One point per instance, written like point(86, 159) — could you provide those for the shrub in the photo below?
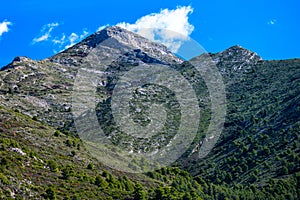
point(68, 172)
point(100, 182)
point(57, 134)
point(53, 166)
point(90, 166)
point(35, 118)
point(50, 193)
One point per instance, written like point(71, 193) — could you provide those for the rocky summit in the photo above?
point(257, 155)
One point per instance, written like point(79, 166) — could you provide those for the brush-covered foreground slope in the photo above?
point(39, 162)
point(256, 157)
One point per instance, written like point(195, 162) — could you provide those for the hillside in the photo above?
point(39, 162)
point(43, 153)
point(261, 135)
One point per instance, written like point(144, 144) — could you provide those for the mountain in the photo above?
point(261, 132)
point(43, 88)
point(44, 156)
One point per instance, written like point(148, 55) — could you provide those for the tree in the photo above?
point(50, 193)
point(90, 166)
point(139, 193)
point(68, 171)
point(187, 196)
point(159, 193)
point(100, 182)
point(284, 170)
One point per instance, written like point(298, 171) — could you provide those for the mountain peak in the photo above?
point(240, 52)
point(116, 30)
point(132, 40)
point(236, 58)
point(118, 38)
point(17, 60)
point(237, 47)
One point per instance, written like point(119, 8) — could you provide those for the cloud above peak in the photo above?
point(74, 38)
point(45, 32)
point(169, 27)
point(4, 27)
point(61, 42)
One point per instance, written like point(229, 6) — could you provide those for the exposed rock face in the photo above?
point(238, 54)
point(123, 38)
point(43, 88)
point(37, 88)
point(235, 60)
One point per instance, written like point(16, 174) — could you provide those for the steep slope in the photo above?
point(40, 89)
point(261, 135)
point(119, 38)
point(43, 88)
point(39, 162)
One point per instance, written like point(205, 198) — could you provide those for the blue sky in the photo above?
point(38, 29)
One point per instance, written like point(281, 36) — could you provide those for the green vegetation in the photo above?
point(261, 136)
point(256, 157)
point(53, 174)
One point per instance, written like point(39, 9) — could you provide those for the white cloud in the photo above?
point(74, 38)
point(60, 42)
point(170, 27)
point(45, 32)
point(272, 22)
point(64, 42)
point(83, 35)
point(102, 27)
point(4, 27)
